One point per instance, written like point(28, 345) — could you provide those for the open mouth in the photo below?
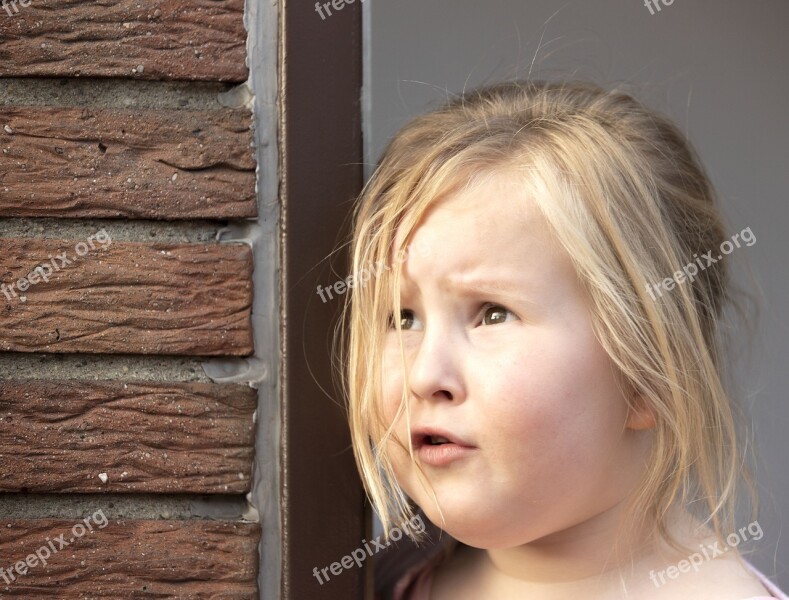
point(436, 440)
point(439, 449)
point(424, 439)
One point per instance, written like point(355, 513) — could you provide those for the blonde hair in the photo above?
point(628, 200)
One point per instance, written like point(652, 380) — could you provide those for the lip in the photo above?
point(439, 455)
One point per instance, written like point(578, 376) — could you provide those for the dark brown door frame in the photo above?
point(323, 515)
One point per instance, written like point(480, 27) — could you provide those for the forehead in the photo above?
point(493, 223)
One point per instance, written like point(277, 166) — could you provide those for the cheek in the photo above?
point(559, 405)
point(391, 384)
point(391, 395)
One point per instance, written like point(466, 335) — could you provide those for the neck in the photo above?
point(586, 550)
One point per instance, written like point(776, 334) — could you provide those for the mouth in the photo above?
point(438, 447)
point(434, 436)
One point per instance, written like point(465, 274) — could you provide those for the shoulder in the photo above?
point(771, 587)
point(405, 568)
point(458, 576)
point(724, 578)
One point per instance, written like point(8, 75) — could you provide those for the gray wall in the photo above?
point(717, 68)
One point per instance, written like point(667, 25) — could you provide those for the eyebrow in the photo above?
point(479, 286)
point(508, 290)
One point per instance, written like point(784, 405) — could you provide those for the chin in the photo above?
point(481, 539)
point(472, 529)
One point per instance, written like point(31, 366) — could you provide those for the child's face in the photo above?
point(511, 371)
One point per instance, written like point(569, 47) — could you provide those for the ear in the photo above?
point(641, 415)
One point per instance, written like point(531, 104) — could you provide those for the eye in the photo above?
point(493, 314)
point(407, 320)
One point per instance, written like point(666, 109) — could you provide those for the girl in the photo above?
point(544, 380)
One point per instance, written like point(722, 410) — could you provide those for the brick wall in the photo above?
point(123, 467)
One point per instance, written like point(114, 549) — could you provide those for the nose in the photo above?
point(435, 371)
